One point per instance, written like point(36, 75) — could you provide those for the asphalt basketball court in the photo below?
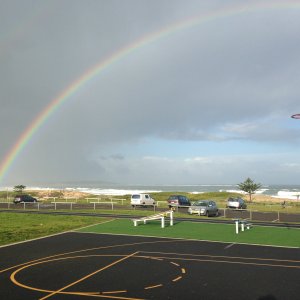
point(84, 265)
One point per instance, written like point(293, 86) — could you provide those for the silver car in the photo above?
point(204, 208)
point(237, 203)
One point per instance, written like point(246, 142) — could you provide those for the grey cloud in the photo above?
point(232, 78)
point(206, 169)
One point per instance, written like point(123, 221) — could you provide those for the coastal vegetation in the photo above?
point(258, 202)
point(250, 187)
point(19, 188)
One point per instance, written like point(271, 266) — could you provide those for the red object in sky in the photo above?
point(296, 116)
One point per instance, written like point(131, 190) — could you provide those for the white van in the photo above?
point(141, 199)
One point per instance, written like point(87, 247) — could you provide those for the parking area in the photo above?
point(82, 265)
point(279, 216)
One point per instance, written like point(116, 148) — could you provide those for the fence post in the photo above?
point(236, 226)
point(163, 222)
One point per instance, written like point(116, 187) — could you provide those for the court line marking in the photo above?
point(183, 259)
point(228, 246)
point(85, 250)
point(89, 275)
point(12, 277)
point(114, 292)
point(233, 262)
point(176, 279)
point(194, 240)
point(153, 286)
point(124, 256)
point(220, 256)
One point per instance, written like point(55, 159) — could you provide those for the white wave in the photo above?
point(288, 195)
point(114, 192)
point(233, 191)
point(261, 191)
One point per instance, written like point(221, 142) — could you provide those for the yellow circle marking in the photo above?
point(91, 294)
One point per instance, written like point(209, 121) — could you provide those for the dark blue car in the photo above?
point(24, 198)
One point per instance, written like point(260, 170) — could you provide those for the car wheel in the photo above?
point(207, 213)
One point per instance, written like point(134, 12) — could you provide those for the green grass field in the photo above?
point(17, 227)
point(289, 237)
point(20, 227)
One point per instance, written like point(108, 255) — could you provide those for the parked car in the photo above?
point(204, 208)
point(141, 200)
point(237, 203)
point(178, 200)
point(24, 198)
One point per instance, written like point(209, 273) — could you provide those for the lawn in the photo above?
point(276, 236)
point(17, 227)
point(20, 227)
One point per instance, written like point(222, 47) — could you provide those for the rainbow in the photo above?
point(66, 94)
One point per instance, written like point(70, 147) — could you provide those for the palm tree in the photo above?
point(249, 186)
point(19, 188)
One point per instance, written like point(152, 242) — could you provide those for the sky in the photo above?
point(203, 94)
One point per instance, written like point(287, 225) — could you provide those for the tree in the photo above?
point(249, 186)
point(19, 188)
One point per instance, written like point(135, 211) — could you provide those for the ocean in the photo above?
point(280, 191)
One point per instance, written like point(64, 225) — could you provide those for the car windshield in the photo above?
point(233, 200)
point(200, 203)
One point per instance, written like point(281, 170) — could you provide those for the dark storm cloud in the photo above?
point(229, 79)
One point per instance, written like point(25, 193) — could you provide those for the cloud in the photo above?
point(226, 169)
point(227, 82)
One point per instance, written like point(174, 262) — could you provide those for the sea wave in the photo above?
point(277, 191)
point(288, 195)
point(115, 192)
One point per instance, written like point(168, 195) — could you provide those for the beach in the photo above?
point(68, 193)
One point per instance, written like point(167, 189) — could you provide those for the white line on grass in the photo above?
point(166, 237)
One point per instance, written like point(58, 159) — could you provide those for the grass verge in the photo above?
point(20, 227)
point(276, 236)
